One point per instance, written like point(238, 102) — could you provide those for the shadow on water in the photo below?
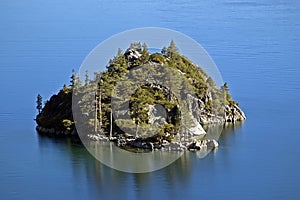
point(229, 131)
point(221, 131)
point(101, 179)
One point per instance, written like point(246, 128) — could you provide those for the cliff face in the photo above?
point(232, 113)
point(151, 104)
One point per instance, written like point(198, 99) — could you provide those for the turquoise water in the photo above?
point(256, 46)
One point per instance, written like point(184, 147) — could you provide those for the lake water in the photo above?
point(256, 46)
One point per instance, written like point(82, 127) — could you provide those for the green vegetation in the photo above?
point(57, 112)
point(39, 103)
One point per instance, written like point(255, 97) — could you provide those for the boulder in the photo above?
point(132, 54)
point(98, 137)
point(174, 146)
point(203, 145)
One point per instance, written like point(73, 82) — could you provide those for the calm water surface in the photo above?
point(256, 46)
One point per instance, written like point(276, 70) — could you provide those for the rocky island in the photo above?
point(177, 116)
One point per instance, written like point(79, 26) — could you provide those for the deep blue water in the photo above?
point(256, 46)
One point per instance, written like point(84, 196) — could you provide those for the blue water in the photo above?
point(256, 46)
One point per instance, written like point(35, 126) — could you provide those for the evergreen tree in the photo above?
point(111, 124)
point(225, 90)
point(98, 107)
point(172, 48)
point(78, 82)
point(145, 54)
point(73, 78)
point(136, 46)
point(225, 87)
point(145, 47)
point(39, 103)
point(87, 80)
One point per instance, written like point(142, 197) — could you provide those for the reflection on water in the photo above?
point(229, 130)
point(215, 131)
point(123, 160)
point(111, 155)
point(102, 178)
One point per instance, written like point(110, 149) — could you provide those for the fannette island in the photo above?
point(91, 98)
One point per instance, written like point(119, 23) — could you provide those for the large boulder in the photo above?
point(205, 145)
point(132, 54)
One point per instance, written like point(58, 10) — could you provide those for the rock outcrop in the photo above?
point(132, 54)
point(235, 113)
point(157, 114)
point(232, 113)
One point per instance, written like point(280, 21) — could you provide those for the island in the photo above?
point(152, 104)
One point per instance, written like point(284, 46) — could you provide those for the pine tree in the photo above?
point(111, 124)
point(96, 113)
point(145, 54)
point(145, 47)
point(225, 90)
point(98, 107)
point(87, 80)
point(225, 87)
point(172, 50)
point(172, 47)
point(39, 103)
point(73, 78)
point(136, 46)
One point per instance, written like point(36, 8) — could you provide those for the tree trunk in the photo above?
point(100, 110)
point(137, 130)
point(95, 118)
point(110, 131)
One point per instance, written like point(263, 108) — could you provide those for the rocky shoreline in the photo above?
point(55, 133)
point(52, 133)
point(139, 143)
